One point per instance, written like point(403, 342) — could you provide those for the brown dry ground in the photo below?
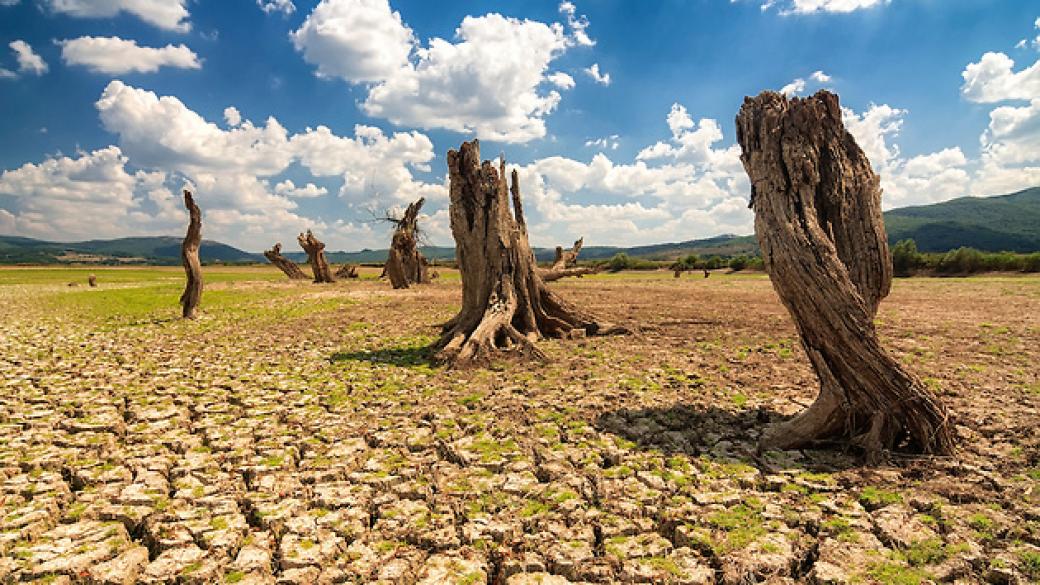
point(299, 433)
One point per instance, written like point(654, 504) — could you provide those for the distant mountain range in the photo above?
point(1004, 223)
point(993, 224)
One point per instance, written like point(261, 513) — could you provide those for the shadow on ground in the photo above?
point(407, 356)
point(695, 430)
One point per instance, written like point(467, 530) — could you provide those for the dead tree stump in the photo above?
point(290, 268)
point(347, 271)
point(566, 264)
point(818, 221)
point(92, 281)
point(190, 259)
point(505, 304)
point(315, 249)
point(405, 264)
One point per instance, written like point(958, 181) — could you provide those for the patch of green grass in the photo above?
point(873, 498)
point(926, 552)
point(897, 574)
point(1029, 564)
point(234, 576)
point(742, 524)
point(982, 524)
point(667, 565)
point(471, 400)
point(534, 508)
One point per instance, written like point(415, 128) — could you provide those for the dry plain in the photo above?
point(299, 433)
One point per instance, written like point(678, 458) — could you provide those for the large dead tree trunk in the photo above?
point(290, 268)
point(818, 220)
point(505, 304)
point(566, 264)
point(315, 249)
point(405, 264)
point(190, 259)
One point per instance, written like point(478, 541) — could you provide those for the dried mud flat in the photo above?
point(298, 433)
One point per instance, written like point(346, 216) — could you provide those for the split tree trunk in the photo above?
point(818, 221)
point(566, 264)
point(190, 259)
point(315, 249)
point(405, 264)
point(505, 303)
point(290, 268)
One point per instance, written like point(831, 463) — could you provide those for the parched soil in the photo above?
point(299, 433)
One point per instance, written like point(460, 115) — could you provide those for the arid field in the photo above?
point(299, 433)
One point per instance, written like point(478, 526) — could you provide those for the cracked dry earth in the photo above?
point(298, 433)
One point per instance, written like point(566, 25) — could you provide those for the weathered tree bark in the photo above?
point(405, 264)
point(190, 259)
point(505, 303)
point(818, 220)
point(290, 268)
point(347, 271)
point(566, 264)
point(315, 249)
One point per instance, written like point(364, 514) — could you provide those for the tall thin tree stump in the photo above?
point(506, 306)
point(190, 259)
point(290, 268)
point(405, 264)
point(818, 221)
point(315, 250)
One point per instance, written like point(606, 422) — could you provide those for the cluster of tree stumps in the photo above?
point(818, 221)
point(315, 250)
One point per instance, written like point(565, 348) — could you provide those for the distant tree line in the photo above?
point(907, 260)
point(622, 261)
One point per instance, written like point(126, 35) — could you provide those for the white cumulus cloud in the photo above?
point(451, 84)
point(561, 80)
point(165, 14)
point(993, 79)
point(815, 6)
point(799, 85)
point(358, 40)
point(237, 171)
point(28, 61)
point(115, 56)
point(308, 191)
point(286, 7)
point(597, 76)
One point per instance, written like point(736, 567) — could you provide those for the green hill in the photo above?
point(146, 250)
point(994, 224)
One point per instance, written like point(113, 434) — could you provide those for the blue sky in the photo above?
point(347, 107)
